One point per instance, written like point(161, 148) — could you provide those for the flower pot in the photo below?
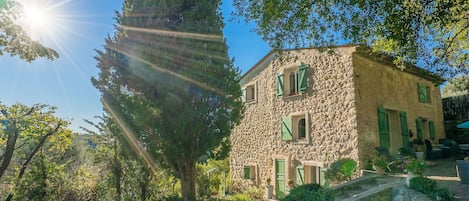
point(420, 155)
point(268, 192)
point(380, 171)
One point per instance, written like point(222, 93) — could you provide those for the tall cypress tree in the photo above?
point(166, 79)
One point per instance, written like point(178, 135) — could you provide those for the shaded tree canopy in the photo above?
point(456, 87)
point(169, 85)
point(434, 32)
point(14, 40)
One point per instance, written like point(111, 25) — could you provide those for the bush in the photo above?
point(442, 194)
point(422, 184)
point(309, 192)
point(428, 187)
point(241, 197)
point(341, 170)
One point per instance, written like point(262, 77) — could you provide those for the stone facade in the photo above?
point(336, 109)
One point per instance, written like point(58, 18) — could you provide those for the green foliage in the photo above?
point(169, 85)
point(436, 32)
point(415, 166)
point(14, 40)
point(309, 192)
point(442, 194)
point(422, 184)
point(341, 170)
point(241, 197)
point(457, 86)
point(429, 188)
point(403, 152)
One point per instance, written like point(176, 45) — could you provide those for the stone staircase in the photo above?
point(369, 187)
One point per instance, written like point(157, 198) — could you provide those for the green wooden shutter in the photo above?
point(404, 129)
point(247, 172)
point(303, 78)
point(322, 177)
point(280, 85)
point(383, 126)
point(419, 125)
point(422, 93)
point(431, 127)
point(286, 128)
point(300, 175)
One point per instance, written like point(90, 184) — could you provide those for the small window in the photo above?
point(293, 81)
point(249, 172)
point(250, 93)
point(302, 128)
point(424, 93)
point(294, 128)
point(307, 174)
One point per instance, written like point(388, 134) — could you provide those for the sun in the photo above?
point(38, 18)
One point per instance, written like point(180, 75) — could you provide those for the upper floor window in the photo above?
point(250, 93)
point(294, 128)
point(424, 93)
point(293, 81)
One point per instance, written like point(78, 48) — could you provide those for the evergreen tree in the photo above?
point(167, 81)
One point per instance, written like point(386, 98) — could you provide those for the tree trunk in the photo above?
point(13, 134)
point(187, 173)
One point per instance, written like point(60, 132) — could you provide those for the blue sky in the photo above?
point(83, 25)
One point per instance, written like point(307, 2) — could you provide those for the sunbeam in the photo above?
point(199, 84)
point(208, 37)
point(130, 137)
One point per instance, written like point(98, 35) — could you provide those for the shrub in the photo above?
point(341, 170)
point(422, 184)
point(442, 194)
point(309, 192)
point(417, 167)
point(241, 197)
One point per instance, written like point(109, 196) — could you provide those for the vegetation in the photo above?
point(456, 87)
point(430, 31)
point(173, 92)
point(309, 192)
point(14, 40)
point(415, 166)
point(341, 170)
point(429, 188)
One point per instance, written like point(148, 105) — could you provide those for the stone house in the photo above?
point(307, 108)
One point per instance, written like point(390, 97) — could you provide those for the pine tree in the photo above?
point(167, 81)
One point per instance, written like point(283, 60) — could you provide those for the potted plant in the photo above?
point(268, 189)
point(414, 167)
point(419, 148)
point(380, 164)
point(341, 170)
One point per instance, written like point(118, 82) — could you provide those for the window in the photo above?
point(294, 127)
point(424, 92)
point(249, 172)
point(294, 83)
point(310, 174)
point(250, 93)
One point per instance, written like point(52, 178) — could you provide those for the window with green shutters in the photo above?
point(383, 127)
point(293, 81)
point(404, 129)
point(303, 78)
point(280, 85)
point(300, 175)
point(431, 127)
point(286, 128)
point(419, 125)
point(424, 93)
point(247, 172)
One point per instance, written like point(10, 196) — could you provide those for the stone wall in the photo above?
point(329, 104)
point(387, 86)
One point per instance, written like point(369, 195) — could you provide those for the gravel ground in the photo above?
point(444, 173)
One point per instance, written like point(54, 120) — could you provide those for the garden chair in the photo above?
point(432, 153)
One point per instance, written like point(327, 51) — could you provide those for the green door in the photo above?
point(280, 178)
